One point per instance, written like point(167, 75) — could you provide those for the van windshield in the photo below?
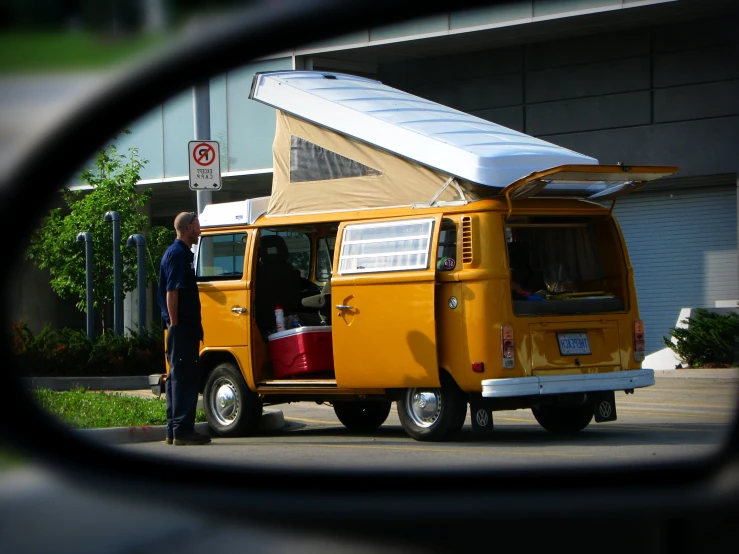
point(565, 265)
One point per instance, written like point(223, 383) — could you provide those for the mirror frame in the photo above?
point(356, 501)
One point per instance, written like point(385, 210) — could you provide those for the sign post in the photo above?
point(205, 165)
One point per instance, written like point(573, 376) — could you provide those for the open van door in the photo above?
point(384, 333)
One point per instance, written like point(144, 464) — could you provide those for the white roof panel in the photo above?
point(242, 212)
point(434, 135)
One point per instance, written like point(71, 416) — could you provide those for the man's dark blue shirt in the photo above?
point(178, 272)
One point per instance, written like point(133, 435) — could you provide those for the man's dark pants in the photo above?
point(183, 382)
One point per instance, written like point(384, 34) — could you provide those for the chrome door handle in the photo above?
point(344, 307)
point(238, 310)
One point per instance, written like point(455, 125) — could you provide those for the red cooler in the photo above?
point(301, 350)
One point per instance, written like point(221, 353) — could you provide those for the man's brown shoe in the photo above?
point(192, 438)
point(169, 440)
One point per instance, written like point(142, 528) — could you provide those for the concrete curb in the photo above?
point(271, 422)
point(92, 383)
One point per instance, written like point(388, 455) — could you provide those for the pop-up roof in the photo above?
point(436, 136)
point(348, 143)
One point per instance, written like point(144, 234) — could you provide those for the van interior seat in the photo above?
point(278, 282)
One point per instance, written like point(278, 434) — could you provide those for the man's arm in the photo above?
point(173, 297)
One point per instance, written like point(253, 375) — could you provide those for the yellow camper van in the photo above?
point(412, 253)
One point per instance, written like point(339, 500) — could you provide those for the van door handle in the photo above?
point(344, 307)
point(238, 310)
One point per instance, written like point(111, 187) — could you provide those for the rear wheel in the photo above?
point(564, 420)
point(231, 407)
point(431, 414)
point(362, 416)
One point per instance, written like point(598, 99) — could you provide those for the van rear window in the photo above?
point(564, 265)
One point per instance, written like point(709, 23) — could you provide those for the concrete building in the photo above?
point(632, 81)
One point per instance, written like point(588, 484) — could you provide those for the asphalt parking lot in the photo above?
point(686, 414)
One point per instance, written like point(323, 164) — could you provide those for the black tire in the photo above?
point(362, 416)
point(564, 420)
point(231, 407)
point(429, 414)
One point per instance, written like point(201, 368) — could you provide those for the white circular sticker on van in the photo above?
point(453, 302)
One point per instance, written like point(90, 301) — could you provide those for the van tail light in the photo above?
point(507, 345)
point(640, 342)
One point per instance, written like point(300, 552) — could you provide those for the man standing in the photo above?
point(179, 301)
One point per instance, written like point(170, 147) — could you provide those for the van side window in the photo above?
point(446, 257)
point(390, 246)
point(221, 257)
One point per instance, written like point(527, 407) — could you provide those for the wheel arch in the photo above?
point(446, 375)
point(210, 359)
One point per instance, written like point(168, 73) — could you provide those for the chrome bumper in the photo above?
point(563, 384)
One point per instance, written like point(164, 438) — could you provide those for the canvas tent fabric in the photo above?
point(317, 170)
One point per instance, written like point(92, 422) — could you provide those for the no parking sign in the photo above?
point(205, 165)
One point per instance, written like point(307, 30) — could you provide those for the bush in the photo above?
point(709, 339)
point(69, 353)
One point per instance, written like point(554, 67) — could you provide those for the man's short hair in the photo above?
point(184, 219)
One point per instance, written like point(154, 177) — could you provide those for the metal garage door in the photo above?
point(683, 247)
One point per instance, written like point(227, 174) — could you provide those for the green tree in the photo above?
point(54, 244)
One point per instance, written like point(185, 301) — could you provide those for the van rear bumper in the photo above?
point(563, 384)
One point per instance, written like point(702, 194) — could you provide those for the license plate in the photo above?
point(573, 344)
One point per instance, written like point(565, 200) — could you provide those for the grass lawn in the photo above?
point(94, 409)
point(65, 51)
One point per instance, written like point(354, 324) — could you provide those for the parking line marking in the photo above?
point(306, 420)
point(689, 390)
point(708, 416)
point(655, 428)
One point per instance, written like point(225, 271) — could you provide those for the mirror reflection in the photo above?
point(452, 243)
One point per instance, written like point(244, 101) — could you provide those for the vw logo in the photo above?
point(453, 302)
point(482, 418)
point(605, 409)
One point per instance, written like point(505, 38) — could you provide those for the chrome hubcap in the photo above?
point(424, 406)
point(224, 402)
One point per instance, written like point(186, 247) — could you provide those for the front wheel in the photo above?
point(564, 420)
point(231, 407)
point(362, 416)
point(430, 414)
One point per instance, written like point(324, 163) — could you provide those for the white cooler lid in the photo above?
point(299, 330)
